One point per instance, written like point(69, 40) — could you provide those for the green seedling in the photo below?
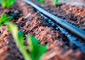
point(35, 50)
point(4, 19)
point(6, 3)
point(55, 1)
point(40, 1)
point(18, 37)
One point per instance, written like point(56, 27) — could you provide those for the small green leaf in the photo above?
point(55, 1)
point(3, 4)
point(12, 2)
point(32, 42)
point(7, 3)
point(4, 19)
point(40, 1)
point(41, 50)
point(14, 29)
point(3, 16)
point(0, 21)
point(35, 48)
point(7, 19)
point(20, 37)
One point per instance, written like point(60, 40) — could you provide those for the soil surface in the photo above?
point(72, 14)
point(28, 20)
point(73, 2)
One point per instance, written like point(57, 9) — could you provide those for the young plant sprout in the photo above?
point(18, 37)
point(6, 3)
point(4, 19)
point(55, 1)
point(35, 50)
point(40, 1)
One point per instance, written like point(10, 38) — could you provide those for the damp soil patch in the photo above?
point(72, 14)
point(28, 20)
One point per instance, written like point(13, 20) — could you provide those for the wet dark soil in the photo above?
point(28, 20)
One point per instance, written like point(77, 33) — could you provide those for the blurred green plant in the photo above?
point(40, 1)
point(4, 19)
point(35, 50)
point(6, 3)
point(55, 1)
point(18, 37)
point(0, 1)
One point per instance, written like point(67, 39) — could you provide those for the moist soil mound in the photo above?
point(72, 14)
point(28, 20)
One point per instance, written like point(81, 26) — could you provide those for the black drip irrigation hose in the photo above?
point(78, 32)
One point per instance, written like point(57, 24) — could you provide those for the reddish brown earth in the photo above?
point(72, 14)
point(58, 45)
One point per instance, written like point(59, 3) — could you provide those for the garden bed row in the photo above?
point(28, 20)
point(72, 14)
